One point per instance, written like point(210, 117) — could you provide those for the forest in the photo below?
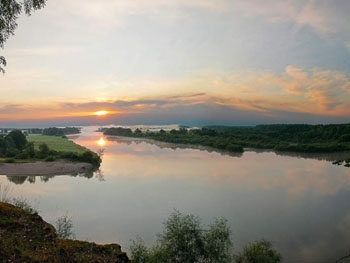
point(301, 138)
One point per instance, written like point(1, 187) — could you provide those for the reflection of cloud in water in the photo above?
point(298, 201)
point(323, 239)
point(264, 171)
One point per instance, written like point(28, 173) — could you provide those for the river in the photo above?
point(300, 204)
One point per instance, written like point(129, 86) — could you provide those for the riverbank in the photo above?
point(60, 167)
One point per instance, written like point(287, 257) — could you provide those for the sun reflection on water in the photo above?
point(101, 142)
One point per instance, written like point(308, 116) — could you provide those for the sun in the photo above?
point(101, 113)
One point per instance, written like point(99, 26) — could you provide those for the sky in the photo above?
point(193, 62)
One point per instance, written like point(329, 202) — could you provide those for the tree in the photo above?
point(44, 149)
point(218, 242)
point(260, 251)
point(139, 251)
point(184, 240)
point(9, 13)
point(18, 138)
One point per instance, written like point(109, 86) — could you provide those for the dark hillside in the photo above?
point(26, 237)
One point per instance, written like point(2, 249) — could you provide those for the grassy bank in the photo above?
point(56, 143)
point(16, 147)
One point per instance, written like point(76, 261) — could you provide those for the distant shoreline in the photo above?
point(44, 168)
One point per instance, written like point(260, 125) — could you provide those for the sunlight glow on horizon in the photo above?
point(101, 113)
point(244, 63)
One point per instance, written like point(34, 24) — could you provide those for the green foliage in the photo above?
point(279, 137)
point(43, 149)
point(54, 131)
point(139, 251)
point(218, 242)
point(64, 227)
point(29, 149)
point(90, 157)
point(258, 252)
point(15, 146)
point(119, 131)
point(18, 138)
point(184, 240)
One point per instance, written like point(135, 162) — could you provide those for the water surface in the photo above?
point(300, 204)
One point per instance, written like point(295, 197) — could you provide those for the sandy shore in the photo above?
point(44, 168)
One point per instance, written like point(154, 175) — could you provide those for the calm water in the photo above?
point(301, 205)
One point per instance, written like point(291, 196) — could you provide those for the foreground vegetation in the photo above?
point(185, 240)
point(16, 147)
point(27, 238)
point(300, 138)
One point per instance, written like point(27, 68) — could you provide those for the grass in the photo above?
point(55, 143)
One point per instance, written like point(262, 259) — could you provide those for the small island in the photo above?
point(39, 154)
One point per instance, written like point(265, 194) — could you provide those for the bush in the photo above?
point(139, 251)
point(64, 227)
point(260, 251)
point(24, 204)
point(184, 240)
point(90, 157)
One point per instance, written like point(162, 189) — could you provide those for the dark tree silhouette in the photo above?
point(18, 138)
point(9, 13)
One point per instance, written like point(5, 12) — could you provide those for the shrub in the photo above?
point(184, 240)
point(260, 251)
point(139, 251)
point(24, 204)
point(64, 227)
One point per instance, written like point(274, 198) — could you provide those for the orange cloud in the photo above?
point(220, 96)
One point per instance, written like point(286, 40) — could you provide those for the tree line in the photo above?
point(279, 137)
point(54, 131)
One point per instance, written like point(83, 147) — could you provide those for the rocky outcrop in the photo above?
point(26, 237)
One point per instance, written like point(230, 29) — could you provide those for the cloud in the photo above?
point(43, 51)
point(325, 16)
point(326, 92)
point(108, 14)
point(294, 95)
